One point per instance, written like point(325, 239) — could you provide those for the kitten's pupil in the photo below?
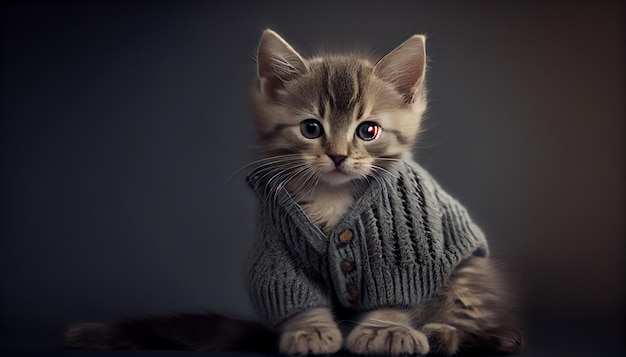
point(368, 131)
point(311, 129)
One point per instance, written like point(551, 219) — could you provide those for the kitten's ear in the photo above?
point(277, 63)
point(405, 67)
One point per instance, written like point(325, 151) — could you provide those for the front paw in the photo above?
point(443, 339)
point(315, 340)
point(311, 332)
point(386, 340)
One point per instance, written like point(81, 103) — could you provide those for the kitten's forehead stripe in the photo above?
point(321, 108)
point(360, 109)
point(327, 90)
point(358, 85)
point(341, 87)
point(356, 92)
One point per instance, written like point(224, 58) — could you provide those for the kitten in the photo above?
point(359, 248)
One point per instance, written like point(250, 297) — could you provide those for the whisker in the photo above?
point(280, 175)
point(301, 191)
point(383, 170)
point(285, 181)
point(266, 161)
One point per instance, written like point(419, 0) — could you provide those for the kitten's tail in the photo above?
point(195, 332)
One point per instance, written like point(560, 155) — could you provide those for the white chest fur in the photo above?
point(326, 206)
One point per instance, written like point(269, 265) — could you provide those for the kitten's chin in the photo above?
point(336, 177)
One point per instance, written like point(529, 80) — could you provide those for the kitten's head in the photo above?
point(335, 119)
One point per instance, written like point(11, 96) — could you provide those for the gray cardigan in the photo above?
point(395, 247)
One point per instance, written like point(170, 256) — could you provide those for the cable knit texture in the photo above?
point(395, 247)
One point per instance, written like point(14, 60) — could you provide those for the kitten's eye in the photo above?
point(368, 131)
point(311, 129)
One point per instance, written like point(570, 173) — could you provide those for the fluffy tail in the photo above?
point(195, 332)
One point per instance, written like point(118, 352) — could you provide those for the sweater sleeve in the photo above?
point(279, 286)
point(462, 237)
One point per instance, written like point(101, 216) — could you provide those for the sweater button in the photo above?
point(347, 266)
point(346, 236)
point(352, 292)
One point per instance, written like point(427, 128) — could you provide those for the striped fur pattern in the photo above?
point(311, 117)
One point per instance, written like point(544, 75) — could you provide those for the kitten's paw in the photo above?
point(443, 339)
point(315, 340)
point(386, 340)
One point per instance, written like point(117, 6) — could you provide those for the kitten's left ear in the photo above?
point(277, 63)
point(404, 67)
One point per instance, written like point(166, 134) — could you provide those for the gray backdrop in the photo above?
point(123, 126)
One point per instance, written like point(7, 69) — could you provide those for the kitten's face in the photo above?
point(336, 119)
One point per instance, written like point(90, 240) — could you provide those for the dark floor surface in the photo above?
point(550, 340)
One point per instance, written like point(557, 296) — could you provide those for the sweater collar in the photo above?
point(275, 195)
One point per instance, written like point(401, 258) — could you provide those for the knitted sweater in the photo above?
point(395, 247)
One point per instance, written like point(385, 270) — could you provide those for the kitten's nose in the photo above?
point(337, 159)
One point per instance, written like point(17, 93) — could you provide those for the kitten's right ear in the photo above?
point(404, 67)
point(277, 63)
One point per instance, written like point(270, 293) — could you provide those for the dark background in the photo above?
point(123, 126)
